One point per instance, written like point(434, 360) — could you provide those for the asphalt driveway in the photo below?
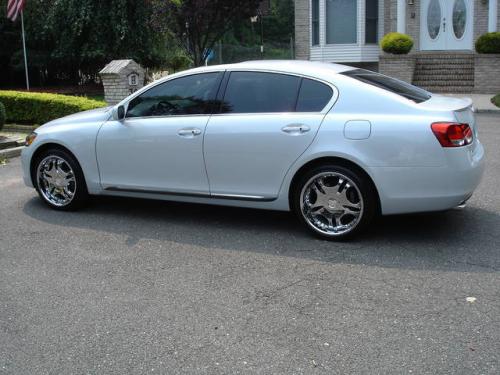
point(132, 286)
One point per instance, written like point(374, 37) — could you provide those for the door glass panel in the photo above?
point(341, 21)
point(434, 18)
point(252, 92)
point(459, 18)
point(313, 96)
point(189, 95)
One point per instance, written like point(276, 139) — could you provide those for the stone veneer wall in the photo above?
point(397, 66)
point(487, 73)
point(302, 29)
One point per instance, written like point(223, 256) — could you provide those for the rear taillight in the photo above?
point(452, 134)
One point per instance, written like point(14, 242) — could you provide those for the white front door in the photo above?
point(446, 24)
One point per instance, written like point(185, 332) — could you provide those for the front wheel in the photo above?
point(334, 201)
point(59, 180)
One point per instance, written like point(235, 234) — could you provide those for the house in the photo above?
point(443, 58)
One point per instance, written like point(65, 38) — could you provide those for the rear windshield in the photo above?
point(401, 88)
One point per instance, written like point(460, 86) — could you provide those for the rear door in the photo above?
point(266, 121)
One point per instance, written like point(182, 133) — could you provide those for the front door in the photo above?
point(446, 24)
point(158, 147)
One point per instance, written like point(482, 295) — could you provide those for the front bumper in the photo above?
point(26, 155)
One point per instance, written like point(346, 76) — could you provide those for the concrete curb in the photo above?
point(488, 110)
point(11, 152)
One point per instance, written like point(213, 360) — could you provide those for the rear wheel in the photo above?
point(59, 180)
point(334, 202)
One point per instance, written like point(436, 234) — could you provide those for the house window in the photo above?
point(315, 22)
point(371, 22)
point(341, 21)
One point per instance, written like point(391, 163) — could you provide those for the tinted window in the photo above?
point(315, 22)
point(404, 89)
point(313, 96)
point(251, 92)
point(189, 95)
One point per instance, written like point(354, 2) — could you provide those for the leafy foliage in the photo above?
point(496, 100)
point(488, 43)
point(199, 24)
point(39, 108)
point(72, 40)
point(396, 43)
point(2, 116)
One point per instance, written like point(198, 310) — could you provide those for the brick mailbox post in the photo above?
point(121, 78)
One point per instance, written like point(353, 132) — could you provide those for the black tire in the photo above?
point(81, 194)
point(365, 195)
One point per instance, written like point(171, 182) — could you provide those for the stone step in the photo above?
point(449, 89)
point(444, 80)
point(445, 76)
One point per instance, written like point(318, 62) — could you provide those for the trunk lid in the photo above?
point(461, 107)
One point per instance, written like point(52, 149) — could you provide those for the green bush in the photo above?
point(39, 108)
point(2, 115)
point(396, 43)
point(488, 43)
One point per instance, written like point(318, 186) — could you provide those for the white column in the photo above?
point(401, 17)
point(492, 16)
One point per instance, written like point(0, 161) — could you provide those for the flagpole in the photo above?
point(25, 58)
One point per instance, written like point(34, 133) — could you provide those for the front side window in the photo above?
point(190, 95)
point(371, 21)
point(315, 22)
point(253, 92)
point(401, 88)
point(313, 96)
point(341, 21)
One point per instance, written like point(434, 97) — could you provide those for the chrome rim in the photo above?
point(56, 180)
point(331, 203)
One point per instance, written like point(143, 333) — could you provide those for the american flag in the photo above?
point(14, 7)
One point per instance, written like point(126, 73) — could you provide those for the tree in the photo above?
point(71, 40)
point(199, 24)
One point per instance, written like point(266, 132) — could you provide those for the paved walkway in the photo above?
point(482, 102)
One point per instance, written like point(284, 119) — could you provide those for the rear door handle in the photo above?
point(295, 129)
point(189, 132)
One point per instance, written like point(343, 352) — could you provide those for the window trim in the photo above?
point(125, 102)
point(325, 110)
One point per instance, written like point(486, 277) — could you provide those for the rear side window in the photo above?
point(253, 92)
point(403, 89)
point(313, 96)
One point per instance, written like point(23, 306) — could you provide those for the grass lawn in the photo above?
point(496, 100)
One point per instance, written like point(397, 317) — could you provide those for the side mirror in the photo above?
point(120, 113)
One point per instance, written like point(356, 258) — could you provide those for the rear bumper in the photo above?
point(422, 189)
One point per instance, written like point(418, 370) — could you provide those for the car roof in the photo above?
point(309, 68)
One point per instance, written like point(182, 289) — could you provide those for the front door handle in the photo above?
point(296, 129)
point(189, 132)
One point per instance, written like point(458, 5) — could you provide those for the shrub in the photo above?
point(39, 108)
point(496, 100)
point(488, 43)
point(2, 115)
point(396, 43)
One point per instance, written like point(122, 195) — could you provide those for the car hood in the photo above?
point(92, 116)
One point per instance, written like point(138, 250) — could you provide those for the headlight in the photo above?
point(30, 139)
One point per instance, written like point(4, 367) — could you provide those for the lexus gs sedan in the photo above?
point(336, 145)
